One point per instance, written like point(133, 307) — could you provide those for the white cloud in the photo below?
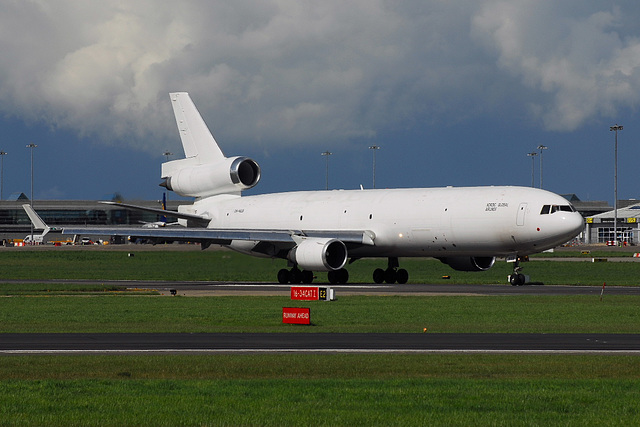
point(286, 71)
point(579, 60)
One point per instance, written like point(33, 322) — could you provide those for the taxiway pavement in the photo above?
point(109, 343)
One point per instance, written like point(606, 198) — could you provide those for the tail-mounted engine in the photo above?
point(469, 263)
point(230, 175)
point(319, 254)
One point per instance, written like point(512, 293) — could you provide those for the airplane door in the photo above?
point(522, 210)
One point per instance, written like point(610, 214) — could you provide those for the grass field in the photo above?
point(364, 314)
point(225, 265)
point(334, 389)
point(293, 389)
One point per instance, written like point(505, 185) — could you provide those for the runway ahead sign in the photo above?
point(297, 315)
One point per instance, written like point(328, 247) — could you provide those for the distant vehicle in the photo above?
point(38, 239)
point(465, 228)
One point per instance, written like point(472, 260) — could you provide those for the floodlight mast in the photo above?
point(615, 129)
point(2, 154)
point(541, 147)
point(31, 147)
point(533, 154)
point(327, 154)
point(374, 148)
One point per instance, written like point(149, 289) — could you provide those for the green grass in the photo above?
point(415, 402)
point(334, 389)
point(231, 266)
point(526, 313)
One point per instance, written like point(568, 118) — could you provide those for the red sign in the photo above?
point(304, 293)
point(301, 316)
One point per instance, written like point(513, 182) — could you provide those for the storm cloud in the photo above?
point(286, 72)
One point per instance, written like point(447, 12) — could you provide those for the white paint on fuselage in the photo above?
point(438, 222)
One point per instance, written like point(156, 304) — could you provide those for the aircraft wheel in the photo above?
point(390, 276)
point(378, 276)
point(517, 279)
point(333, 277)
point(402, 276)
point(307, 276)
point(343, 275)
point(295, 276)
point(283, 276)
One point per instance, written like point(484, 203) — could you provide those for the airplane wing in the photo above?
point(225, 236)
point(218, 236)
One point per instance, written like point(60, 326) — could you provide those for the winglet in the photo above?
point(38, 223)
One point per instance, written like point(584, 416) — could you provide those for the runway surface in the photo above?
point(318, 343)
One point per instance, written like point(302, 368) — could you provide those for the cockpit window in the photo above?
point(549, 209)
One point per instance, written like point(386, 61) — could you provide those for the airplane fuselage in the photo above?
point(430, 222)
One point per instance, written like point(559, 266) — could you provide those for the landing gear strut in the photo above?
point(392, 274)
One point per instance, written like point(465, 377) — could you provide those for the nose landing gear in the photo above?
point(517, 278)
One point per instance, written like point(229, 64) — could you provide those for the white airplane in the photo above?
point(466, 228)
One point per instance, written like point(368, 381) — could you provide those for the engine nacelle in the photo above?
point(230, 175)
point(472, 263)
point(319, 254)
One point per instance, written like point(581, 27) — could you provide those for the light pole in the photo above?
point(374, 148)
point(533, 165)
point(327, 154)
point(31, 147)
point(2, 154)
point(615, 129)
point(541, 147)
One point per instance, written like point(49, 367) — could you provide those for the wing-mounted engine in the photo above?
point(229, 175)
point(319, 254)
point(469, 263)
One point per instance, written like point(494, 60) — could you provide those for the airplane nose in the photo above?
point(574, 224)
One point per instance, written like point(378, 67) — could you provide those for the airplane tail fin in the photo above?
point(38, 223)
point(163, 218)
point(197, 141)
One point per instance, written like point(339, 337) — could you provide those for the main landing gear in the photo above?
point(295, 276)
point(392, 274)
